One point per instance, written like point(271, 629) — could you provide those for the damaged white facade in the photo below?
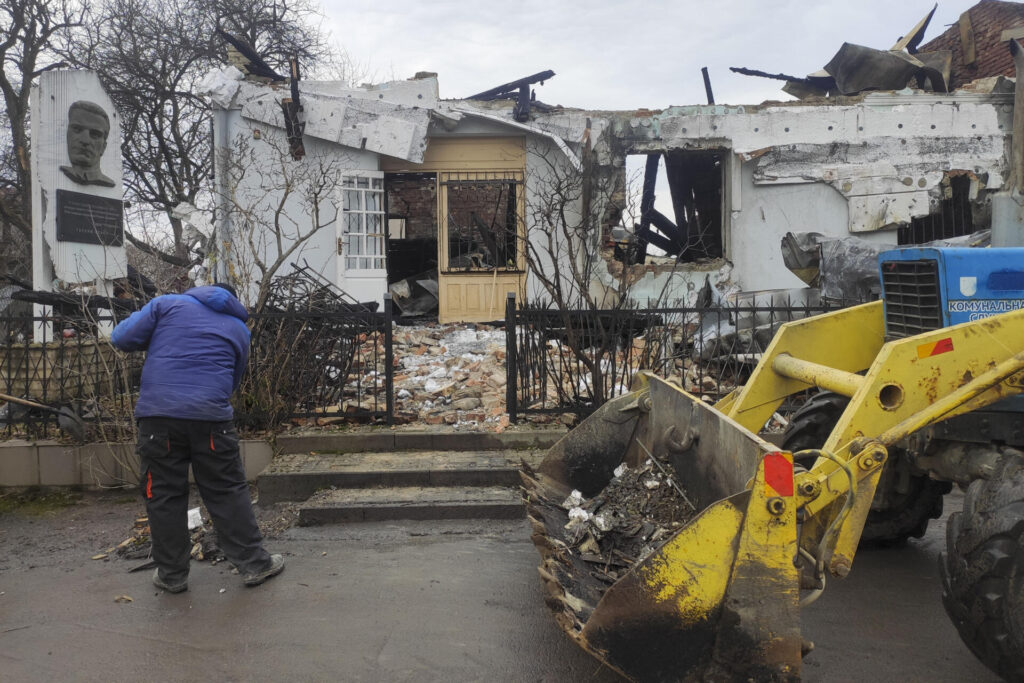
point(265, 194)
point(863, 166)
point(354, 139)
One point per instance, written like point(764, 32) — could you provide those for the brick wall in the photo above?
point(414, 198)
point(493, 203)
point(989, 19)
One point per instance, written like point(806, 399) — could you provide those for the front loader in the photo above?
point(719, 597)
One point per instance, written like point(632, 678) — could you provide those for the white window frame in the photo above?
point(362, 243)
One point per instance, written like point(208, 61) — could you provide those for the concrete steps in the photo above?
point(411, 502)
point(295, 477)
point(345, 478)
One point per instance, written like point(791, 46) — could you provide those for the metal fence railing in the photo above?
point(301, 365)
point(316, 365)
point(64, 362)
point(572, 361)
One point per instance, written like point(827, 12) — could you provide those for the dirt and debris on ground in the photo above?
point(273, 520)
point(110, 525)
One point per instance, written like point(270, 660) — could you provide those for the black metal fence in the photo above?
point(302, 365)
point(55, 361)
point(318, 366)
point(336, 366)
point(572, 361)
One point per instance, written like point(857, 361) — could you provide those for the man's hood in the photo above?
point(220, 300)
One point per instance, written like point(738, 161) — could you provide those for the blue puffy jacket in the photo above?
point(197, 346)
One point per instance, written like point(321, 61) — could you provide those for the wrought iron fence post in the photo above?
point(389, 362)
point(510, 358)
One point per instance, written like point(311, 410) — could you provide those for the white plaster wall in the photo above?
point(886, 153)
point(862, 167)
point(679, 287)
point(260, 190)
point(761, 216)
point(768, 213)
point(544, 162)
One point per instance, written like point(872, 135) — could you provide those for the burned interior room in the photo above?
point(412, 224)
point(482, 221)
point(695, 180)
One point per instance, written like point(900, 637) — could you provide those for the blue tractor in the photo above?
point(926, 289)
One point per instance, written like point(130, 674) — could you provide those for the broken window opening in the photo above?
point(954, 218)
point(412, 225)
point(695, 180)
point(362, 235)
point(483, 221)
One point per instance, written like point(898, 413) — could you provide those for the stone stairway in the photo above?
point(380, 476)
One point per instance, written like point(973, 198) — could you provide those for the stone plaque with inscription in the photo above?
point(89, 219)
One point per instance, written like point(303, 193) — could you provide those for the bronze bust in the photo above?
point(88, 127)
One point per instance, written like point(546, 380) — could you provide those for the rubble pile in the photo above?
point(455, 374)
point(631, 517)
point(443, 375)
point(138, 545)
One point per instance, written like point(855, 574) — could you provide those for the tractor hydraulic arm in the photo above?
point(907, 385)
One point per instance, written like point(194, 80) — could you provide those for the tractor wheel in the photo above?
point(983, 571)
point(904, 502)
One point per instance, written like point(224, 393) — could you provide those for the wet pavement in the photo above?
point(416, 601)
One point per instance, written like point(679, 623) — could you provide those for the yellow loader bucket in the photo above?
point(715, 599)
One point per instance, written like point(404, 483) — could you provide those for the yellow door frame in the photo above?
point(475, 295)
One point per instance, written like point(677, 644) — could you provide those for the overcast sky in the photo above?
point(619, 54)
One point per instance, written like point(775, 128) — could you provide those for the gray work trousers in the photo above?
point(166, 448)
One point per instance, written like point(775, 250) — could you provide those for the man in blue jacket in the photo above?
point(197, 347)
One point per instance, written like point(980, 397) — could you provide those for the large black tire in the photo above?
point(983, 571)
point(906, 514)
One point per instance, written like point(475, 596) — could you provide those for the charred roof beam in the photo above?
point(249, 59)
point(519, 91)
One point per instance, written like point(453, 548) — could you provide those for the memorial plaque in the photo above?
point(89, 219)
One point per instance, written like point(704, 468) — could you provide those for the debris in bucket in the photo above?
point(640, 509)
point(574, 500)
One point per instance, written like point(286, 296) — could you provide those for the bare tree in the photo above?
point(31, 33)
point(583, 283)
point(150, 55)
point(276, 205)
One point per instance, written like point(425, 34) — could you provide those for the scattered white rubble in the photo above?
point(578, 514)
point(574, 500)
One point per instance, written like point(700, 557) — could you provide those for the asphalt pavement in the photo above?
point(417, 601)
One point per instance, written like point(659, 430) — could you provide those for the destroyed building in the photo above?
point(449, 201)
